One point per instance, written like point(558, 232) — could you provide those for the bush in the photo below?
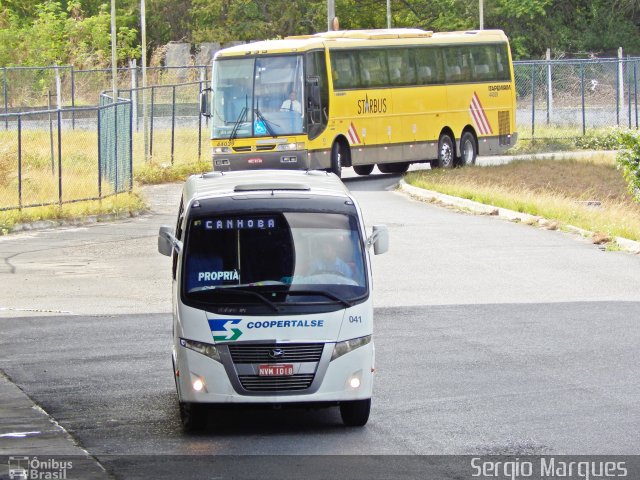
point(610, 139)
point(628, 160)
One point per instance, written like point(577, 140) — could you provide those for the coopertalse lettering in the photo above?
point(286, 324)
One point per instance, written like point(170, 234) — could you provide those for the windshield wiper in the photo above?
point(323, 293)
point(236, 125)
point(246, 293)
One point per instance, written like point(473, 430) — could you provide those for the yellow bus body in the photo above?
point(391, 125)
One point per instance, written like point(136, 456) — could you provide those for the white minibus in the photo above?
point(272, 293)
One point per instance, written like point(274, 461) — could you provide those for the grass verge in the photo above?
point(117, 206)
point(153, 173)
point(586, 193)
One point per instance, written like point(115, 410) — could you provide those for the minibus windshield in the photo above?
point(274, 261)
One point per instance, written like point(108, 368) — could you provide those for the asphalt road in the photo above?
point(491, 337)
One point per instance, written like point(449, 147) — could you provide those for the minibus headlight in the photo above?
point(349, 345)
point(203, 348)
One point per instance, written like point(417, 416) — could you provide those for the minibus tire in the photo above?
point(193, 417)
point(355, 413)
point(363, 169)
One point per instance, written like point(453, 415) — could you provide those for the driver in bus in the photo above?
point(291, 104)
point(330, 262)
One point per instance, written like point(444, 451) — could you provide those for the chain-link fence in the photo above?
point(568, 99)
point(40, 88)
point(167, 123)
point(45, 161)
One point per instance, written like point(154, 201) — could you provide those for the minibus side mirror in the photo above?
point(167, 242)
point(379, 239)
point(204, 102)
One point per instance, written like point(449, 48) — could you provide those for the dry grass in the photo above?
point(40, 174)
point(590, 194)
point(117, 206)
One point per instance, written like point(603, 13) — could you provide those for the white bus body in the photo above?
point(271, 293)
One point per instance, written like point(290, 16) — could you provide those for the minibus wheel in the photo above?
point(363, 169)
point(355, 413)
point(193, 416)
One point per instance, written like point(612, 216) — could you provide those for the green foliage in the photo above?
point(47, 33)
point(77, 32)
point(609, 139)
point(628, 161)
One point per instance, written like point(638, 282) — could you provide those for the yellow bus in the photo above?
point(359, 98)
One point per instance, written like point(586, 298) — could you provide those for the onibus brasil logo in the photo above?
point(223, 330)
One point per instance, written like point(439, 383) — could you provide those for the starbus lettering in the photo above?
point(372, 105)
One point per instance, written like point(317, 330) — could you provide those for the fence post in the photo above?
point(60, 156)
point(626, 68)
point(53, 167)
point(58, 88)
point(533, 102)
point(134, 92)
point(584, 120)
point(20, 161)
point(73, 97)
point(619, 86)
point(549, 87)
point(200, 120)
point(173, 121)
point(99, 152)
point(115, 136)
point(6, 100)
point(153, 92)
point(635, 90)
point(131, 148)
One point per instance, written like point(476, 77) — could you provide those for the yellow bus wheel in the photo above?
point(446, 151)
point(337, 158)
point(468, 149)
point(363, 169)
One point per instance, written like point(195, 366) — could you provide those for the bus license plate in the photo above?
point(275, 370)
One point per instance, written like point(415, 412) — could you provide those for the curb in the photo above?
point(73, 222)
point(625, 244)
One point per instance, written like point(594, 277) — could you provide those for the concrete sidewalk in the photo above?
point(28, 431)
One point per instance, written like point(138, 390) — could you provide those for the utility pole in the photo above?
point(331, 14)
point(388, 13)
point(143, 33)
point(114, 57)
point(481, 14)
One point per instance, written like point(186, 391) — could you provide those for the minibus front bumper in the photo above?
point(224, 382)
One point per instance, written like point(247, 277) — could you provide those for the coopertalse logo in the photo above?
point(225, 330)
